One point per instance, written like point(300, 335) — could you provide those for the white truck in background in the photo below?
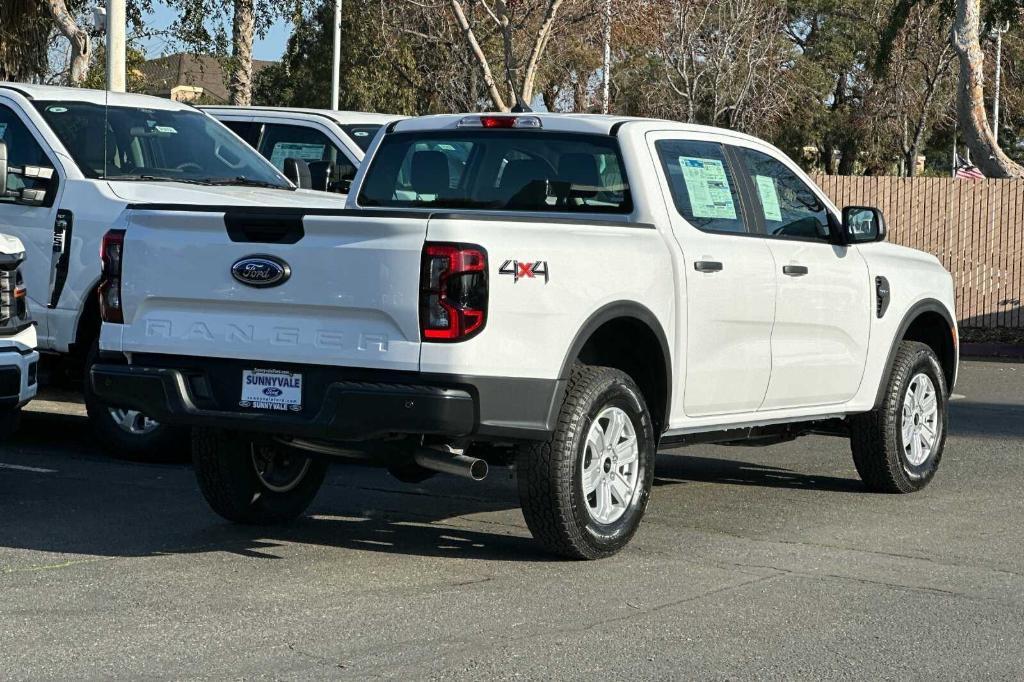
point(91, 155)
point(19, 359)
point(562, 292)
point(331, 143)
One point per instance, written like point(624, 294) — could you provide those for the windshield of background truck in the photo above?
point(129, 143)
point(516, 170)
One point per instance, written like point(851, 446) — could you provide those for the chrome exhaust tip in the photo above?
point(451, 463)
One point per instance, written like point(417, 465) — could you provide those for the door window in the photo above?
point(282, 142)
point(22, 150)
point(702, 184)
point(790, 208)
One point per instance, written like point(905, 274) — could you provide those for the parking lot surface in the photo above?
point(752, 562)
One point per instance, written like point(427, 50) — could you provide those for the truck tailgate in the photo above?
point(350, 298)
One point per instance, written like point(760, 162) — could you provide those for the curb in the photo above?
point(1010, 351)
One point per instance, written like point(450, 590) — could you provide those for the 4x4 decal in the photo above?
point(525, 269)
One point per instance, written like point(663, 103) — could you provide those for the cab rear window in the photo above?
point(515, 170)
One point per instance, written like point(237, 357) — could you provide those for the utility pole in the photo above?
point(336, 70)
point(116, 25)
point(999, 79)
point(607, 67)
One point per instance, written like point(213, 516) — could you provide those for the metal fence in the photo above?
point(975, 227)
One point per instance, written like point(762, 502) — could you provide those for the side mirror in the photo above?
point(862, 224)
point(297, 170)
point(41, 178)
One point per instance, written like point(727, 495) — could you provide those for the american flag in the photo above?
point(965, 170)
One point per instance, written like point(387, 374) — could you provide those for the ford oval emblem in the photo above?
point(261, 271)
point(272, 391)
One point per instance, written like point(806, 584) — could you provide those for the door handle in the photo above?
point(708, 266)
point(795, 270)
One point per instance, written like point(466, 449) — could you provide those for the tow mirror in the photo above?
point(297, 170)
point(862, 224)
point(41, 178)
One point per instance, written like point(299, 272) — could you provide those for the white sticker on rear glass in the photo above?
point(166, 129)
point(708, 187)
point(296, 150)
point(769, 197)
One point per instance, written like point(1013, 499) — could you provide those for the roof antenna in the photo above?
point(521, 107)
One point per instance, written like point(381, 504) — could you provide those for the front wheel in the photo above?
point(585, 490)
point(250, 481)
point(897, 447)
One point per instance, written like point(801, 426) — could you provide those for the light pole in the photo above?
point(336, 70)
point(116, 24)
point(607, 67)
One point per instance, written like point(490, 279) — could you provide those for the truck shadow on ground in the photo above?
point(695, 469)
point(91, 504)
point(986, 420)
point(81, 501)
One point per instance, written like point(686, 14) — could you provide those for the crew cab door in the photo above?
point(823, 308)
point(345, 291)
point(729, 279)
point(33, 224)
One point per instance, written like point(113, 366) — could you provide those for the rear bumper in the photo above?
point(339, 404)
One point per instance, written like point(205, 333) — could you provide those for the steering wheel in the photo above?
point(189, 165)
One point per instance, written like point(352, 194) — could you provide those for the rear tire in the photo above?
point(128, 434)
point(898, 446)
point(242, 486)
point(585, 491)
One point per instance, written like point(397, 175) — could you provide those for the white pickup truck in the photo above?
point(565, 292)
point(19, 359)
point(332, 143)
point(92, 154)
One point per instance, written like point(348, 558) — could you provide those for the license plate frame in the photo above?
point(273, 390)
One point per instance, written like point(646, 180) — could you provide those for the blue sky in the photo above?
point(271, 47)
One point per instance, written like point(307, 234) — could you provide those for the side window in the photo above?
point(789, 207)
point(703, 188)
point(282, 142)
point(22, 150)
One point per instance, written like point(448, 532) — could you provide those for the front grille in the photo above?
point(13, 301)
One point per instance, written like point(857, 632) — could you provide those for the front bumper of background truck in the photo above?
point(339, 403)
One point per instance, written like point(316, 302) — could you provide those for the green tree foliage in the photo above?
point(372, 78)
point(135, 81)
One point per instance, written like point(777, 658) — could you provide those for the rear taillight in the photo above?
point(111, 253)
point(453, 292)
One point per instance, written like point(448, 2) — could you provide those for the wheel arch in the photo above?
point(931, 323)
point(87, 325)
point(627, 336)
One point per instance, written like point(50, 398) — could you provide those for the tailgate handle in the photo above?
point(264, 227)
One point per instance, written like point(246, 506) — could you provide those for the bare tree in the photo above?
point(508, 40)
point(985, 151)
point(918, 86)
point(723, 62)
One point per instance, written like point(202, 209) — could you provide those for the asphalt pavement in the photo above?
point(751, 563)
